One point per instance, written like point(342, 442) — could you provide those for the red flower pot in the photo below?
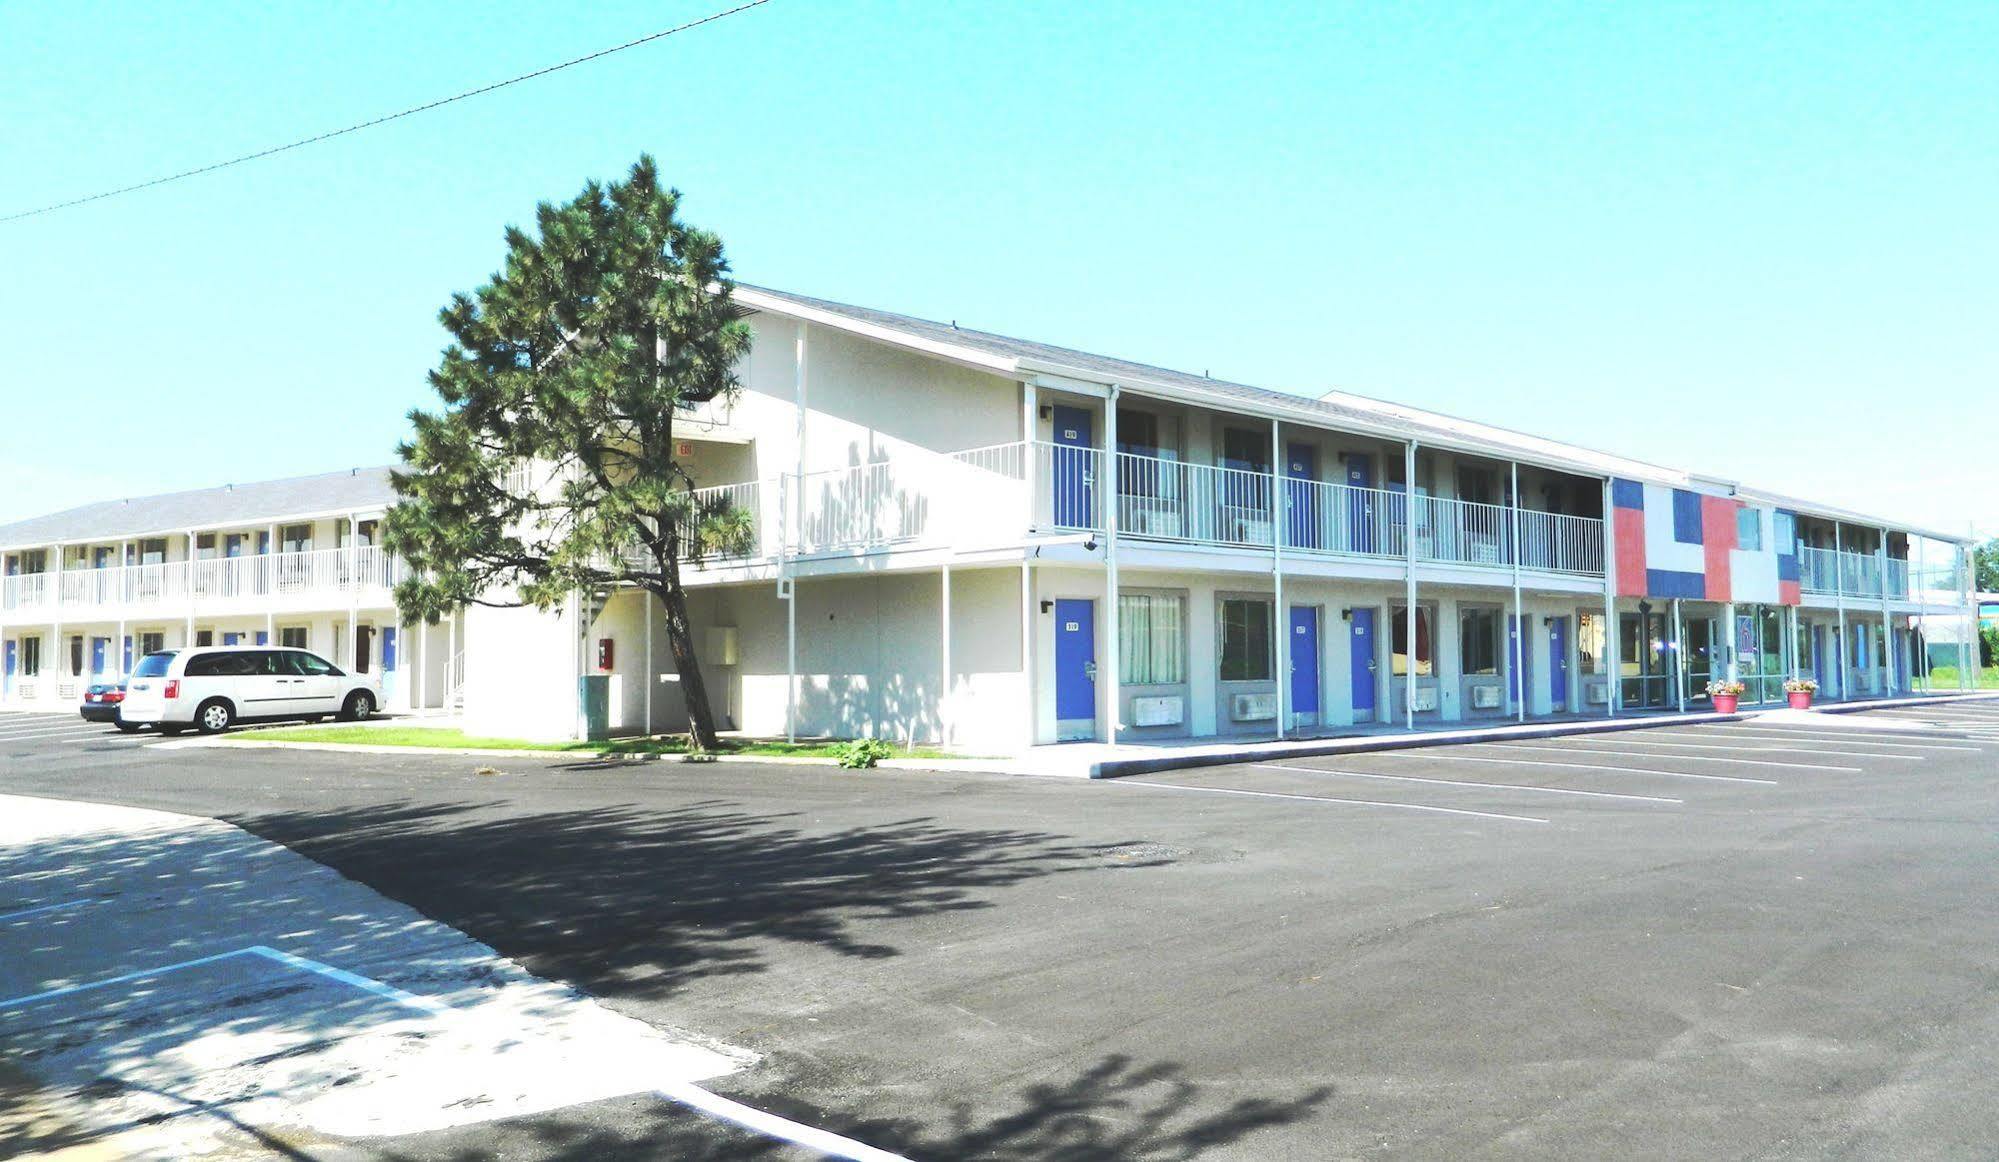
point(1725, 703)
point(1800, 699)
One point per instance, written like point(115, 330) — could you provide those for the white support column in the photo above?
point(187, 572)
point(1614, 690)
point(1030, 417)
point(1280, 616)
point(1887, 625)
point(1797, 663)
point(1680, 658)
point(1839, 604)
point(1112, 661)
point(1969, 650)
point(118, 648)
point(422, 667)
point(787, 584)
point(1409, 567)
point(1027, 698)
point(944, 687)
point(1519, 681)
point(1734, 653)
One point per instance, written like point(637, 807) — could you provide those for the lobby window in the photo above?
point(294, 637)
point(152, 643)
point(31, 657)
point(1478, 642)
point(1590, 655)
point(1152, 642)
point(1784, 531)
point(1749, 529)
point(1398, 658)
point(1245, 641)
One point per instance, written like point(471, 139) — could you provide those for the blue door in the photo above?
point(127, 667)
point(1074, 470)
point(263, 638)
point(1363, 665)
point(389, 674)
point(1558, 663)
point(100, 649)
point(230, 639)
point(1301, 471)
point(1360, 508)
point(7, 673)
point(1075, 668)
point(1305, 661)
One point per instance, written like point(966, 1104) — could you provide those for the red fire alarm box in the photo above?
point(604, 653)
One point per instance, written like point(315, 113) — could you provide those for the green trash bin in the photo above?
point(593, 692)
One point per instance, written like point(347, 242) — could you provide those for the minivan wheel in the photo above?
point(214, 716)
point(358, 706)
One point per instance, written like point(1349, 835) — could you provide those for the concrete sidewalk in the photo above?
point(179, 988)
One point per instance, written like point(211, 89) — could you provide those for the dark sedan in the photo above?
point(100, 701)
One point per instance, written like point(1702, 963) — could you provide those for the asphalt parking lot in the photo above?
point(1770, 938)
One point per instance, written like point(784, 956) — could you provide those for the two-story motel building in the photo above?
point(994, 543)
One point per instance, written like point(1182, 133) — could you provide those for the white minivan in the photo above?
point(211, 688)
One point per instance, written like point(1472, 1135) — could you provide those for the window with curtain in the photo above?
point(1478, 642)
point(1591, 657)
point(1152, 641)
point(1245, 641)
point(1398, 663)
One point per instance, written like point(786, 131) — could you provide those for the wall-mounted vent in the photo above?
point(1426, 698)
point(1485, 697)
point(1157, 711)
point(1597, 693)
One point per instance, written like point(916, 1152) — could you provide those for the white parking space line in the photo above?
point(1857, 737)
point(1690, 758)
point(1465, 758)
point(1464, 783)
point(24, 913)
point(12, 729)
point(52, 734)
point(684, 1093)
point(1864, 754)
point(1325, 799)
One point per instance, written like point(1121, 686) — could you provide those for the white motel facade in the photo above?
point(987, 543)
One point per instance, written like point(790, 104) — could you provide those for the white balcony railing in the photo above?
point(366, 569)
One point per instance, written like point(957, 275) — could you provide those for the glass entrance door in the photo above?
point(1645, 659)
point(1761, 658)
point(1698, 634)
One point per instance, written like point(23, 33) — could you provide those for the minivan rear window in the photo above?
point(154, 665)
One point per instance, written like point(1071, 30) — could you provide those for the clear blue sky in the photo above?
point(1755, 240)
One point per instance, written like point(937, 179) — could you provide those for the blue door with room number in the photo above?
point(1363, 664)
point(1360, 506)
point(1075, 668)
point(1558, 663)
point(1301, 472)
point(1074, 470)
point(1305, 661)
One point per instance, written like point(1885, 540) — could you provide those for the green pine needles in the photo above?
point(549, 470)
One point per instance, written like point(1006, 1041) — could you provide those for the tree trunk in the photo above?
point(680, 638)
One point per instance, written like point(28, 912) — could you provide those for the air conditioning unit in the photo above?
point(1426, 698)
point(1597, 693)
point(1485, 697)
point(1253, 707)
point(1163, 711)
point(721, 647)
point(1148, 521)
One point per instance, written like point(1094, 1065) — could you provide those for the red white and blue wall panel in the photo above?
point(1674, 542)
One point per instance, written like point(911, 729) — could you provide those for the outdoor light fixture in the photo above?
point(1346, 614)
point(1047, 606)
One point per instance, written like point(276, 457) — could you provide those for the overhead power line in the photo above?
point(383, 120)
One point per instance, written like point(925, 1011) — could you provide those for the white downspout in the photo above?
point(1887, 623)
point(944, 687)
point(1613, 689)
point(1112, 672)
point(1409, 567)
point(1839, 603)
point(1519, 613)
point(1280, 616)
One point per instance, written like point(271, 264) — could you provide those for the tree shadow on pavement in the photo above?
point(635, 903)
point(1113, 1110)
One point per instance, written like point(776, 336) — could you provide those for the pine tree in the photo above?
point(565, 374)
